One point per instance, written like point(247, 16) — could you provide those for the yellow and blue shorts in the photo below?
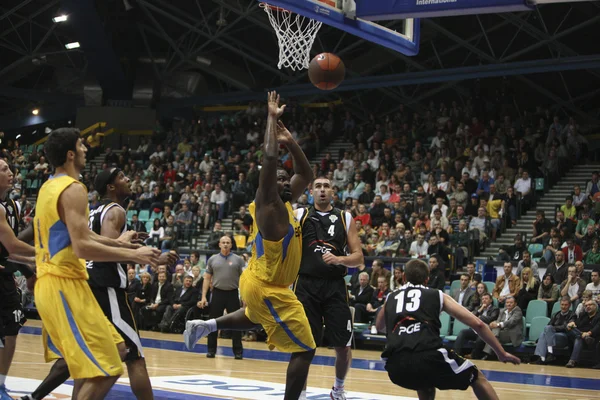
point(76, 329)
point(279, 312)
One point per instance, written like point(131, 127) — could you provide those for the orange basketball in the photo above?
point(326, 71)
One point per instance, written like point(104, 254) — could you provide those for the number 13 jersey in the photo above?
point(412, 317)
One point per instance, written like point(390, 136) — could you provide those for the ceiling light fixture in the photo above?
point(60, 18)
point(72, 45)
point(35, 111)
point(18, 136)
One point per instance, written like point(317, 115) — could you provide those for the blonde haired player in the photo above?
point(63, 241)
point(276, 253)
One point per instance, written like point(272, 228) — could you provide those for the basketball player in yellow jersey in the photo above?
point(265, 284)
point(89, 344)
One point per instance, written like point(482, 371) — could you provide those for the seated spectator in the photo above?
point(156, 234)
point(507, 328)
point(507, 285)
point(514, 252)
point(388, 244)
point(559, 268)
point(137, 225)
point(437, 278)
point(196, 277)
point(169, 240)
point(160, 298)
point(562, 222)
point(487, 313)
point(572, 252)
point(583, 331)
point(594, 285)
point(354, 279)
point(378, 271)
point(463, 294)
point(475, 300)
point(529, 289)
point(133, 285)
point(548, 291)
point(587, 241)
point(555, 333)
point(527, 262)
point(363, 293)
point(437, 247)
point(363, 216)
point(366, 314)
point(183, 299)
point(569, 209)
point(585, 296)
point(573, 286)
point(419, 247)
point(541, 228)
point(396, 278)
point(581, 273)
point(582, 225)
point(177, 279)
point(474, 278)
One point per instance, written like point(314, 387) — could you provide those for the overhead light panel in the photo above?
point(18, 136)
point(60, 18)
point(47, 130)
point(35, 111)
point(72, 45)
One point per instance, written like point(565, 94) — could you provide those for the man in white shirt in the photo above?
point(523, 187)
point(439, 205)
point(219, 197)
point(470, 169)
point(384, 193)
point(340, 176)
point(419, 247)
point(594, 285)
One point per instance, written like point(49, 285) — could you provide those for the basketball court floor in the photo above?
point(179, 374)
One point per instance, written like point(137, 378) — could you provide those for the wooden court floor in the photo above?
point(166, 359)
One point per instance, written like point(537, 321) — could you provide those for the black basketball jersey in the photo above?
point(8, 288)
point(105, 274)
point(13, 218)
point(412, 318)
point(323, 232)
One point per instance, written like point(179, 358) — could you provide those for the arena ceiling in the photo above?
point(184, 53)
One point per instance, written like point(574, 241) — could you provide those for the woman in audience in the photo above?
point(142, 297)
point(548, 291)
point(529, 289)
point(156, 233)
point(396, 278)
point(475, 300)
point(197, 277)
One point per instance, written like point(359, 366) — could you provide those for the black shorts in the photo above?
point(325, 302)
point(113, 303)
point(442, 369)
point(12, 317)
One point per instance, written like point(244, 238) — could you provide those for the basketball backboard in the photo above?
point(341, 15)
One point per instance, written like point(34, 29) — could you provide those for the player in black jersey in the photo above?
point(11, 249)
point(330, 245)
point(415, 356)
point(108, 282)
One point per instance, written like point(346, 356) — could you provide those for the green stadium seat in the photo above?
point(537, 327)
point(156, 215)
point(490, 286)
point(347, 278)
point(149, 225)
point(454, 285)
point(130, 214)
point(445, 320)
point(535, 308)
point(555, 309)
point(456, 328)
point(144, 215)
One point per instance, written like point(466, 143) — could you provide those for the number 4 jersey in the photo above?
point(412, 317)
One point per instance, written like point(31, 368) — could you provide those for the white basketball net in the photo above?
point(295, 34)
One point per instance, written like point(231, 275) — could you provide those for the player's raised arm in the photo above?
point(271, 213)
point(10, 241)
point(303, 174)
point(463, 315)
point(72, 210)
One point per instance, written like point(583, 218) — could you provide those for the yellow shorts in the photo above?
point(76, 328)
point(279, 312)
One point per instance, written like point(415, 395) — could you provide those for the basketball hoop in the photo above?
point(295, 34)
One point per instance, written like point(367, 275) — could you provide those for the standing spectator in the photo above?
point(541, 228)
point(219, 198)
point(523, 188)
point(223, 273)
point(554, 334)
point(184, 222)
point(583, 331)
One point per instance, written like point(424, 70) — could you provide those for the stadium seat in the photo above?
point(445, 320)
point(536, 251)
point(535, 308)
point(130, 214)
point(456, 328)
point(537, 327)
point(490, 286)
point(149, 225)
point(158, 215)
point(555, 309)
point(495, 302)
point(454, 285)
point(347, 278)
point(144, 215)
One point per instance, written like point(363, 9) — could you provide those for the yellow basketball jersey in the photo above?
point(276, 263)
point(54, 253)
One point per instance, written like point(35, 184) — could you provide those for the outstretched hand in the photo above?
point(509, 358)
point(274, 109)
point(283, 135)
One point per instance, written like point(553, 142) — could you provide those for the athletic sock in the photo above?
point(542, 358)
point(550, 349)
point(212, 325)
point(2, 379)
point(339, 383)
